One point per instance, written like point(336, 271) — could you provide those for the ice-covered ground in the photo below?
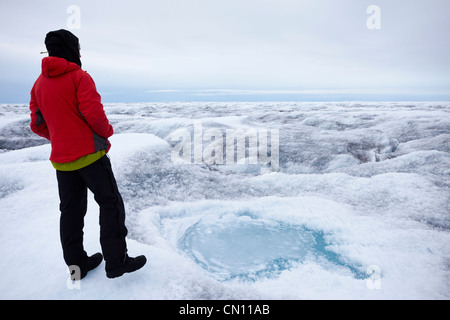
point(357, 206)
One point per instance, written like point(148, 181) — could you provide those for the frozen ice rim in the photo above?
point(246, 247)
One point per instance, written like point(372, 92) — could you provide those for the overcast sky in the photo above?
point(233, 49)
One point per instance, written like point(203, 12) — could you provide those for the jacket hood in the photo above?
point(54, 66)
point(63, 44)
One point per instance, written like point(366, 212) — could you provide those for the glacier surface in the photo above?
point(357, 208)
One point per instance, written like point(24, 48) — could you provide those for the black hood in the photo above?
point(63, 44)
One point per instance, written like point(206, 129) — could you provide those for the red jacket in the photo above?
point(67, 110)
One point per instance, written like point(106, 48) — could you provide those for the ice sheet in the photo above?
point(357, 209)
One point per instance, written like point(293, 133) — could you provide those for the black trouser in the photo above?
point(73, 185)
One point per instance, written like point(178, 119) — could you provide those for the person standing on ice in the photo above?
point(67, 110)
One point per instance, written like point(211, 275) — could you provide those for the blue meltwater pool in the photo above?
point(241, 246)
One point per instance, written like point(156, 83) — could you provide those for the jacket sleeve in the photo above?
point(90, 106)
point(37, 124)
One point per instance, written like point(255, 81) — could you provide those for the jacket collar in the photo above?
point(54, 66)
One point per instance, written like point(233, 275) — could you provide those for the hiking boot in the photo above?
point(92, 263)
point(129, 265)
